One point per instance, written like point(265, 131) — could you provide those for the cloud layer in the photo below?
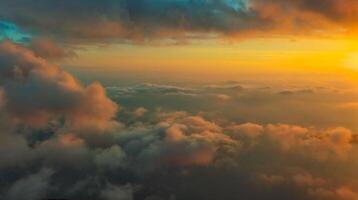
point(140, 20)
point(60, 139)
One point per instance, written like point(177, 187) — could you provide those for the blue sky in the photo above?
point(11, 31)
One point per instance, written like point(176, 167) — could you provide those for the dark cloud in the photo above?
point(113, 192)
point(140, 20)
point(14, 150)
point(32, 187)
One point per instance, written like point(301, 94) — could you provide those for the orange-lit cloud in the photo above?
point(36, 92)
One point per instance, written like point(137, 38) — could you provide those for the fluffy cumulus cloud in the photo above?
point(310, 142)
point(36, 92)
point(180, 141)
point(203, 159)
point(142, 19)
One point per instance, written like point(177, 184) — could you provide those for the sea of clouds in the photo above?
point(62, 139)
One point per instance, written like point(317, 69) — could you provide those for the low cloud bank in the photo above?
point(61, 139)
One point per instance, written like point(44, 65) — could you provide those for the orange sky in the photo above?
point(282, 54)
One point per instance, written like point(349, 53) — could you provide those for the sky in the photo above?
point(178, 99)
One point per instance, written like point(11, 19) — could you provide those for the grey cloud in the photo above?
point(14, 151)
point(32, 187)
point(113, 192)
point(112, 158)
point(151, 88)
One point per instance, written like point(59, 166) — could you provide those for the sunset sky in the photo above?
point(179, 99)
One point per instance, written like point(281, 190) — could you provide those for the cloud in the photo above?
point(346, 194)
point(46, 48)
point(249, 159)
point(50, 92)
point(228, 87)
point(122, 19)
point(118, 192)
point(297, 92)
point(14, 151)
point(249, 130)
point(140, 112)
point(307, 179)
point(141, 20)
point(63, 151)
point(177, 141)
point(32, 187)
point(223, 97)
point(111, 158)
point(152, 88)
point(321, 144)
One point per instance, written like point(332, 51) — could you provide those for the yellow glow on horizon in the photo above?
point(352, 61)
point(250, 55)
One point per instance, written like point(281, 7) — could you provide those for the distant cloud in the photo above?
point(293, 92)
point(152, 88)
point(223, 97)
point(140, 112)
